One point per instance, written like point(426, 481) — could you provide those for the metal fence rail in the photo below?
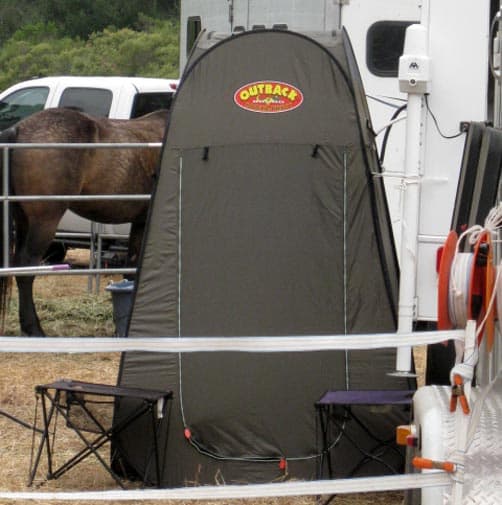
point(7, 198)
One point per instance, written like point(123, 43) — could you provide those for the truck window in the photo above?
point(149, 102)
point(22, 103)
point(384, 46)
point(93, 101)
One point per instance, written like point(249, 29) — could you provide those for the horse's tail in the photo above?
point(7, 136)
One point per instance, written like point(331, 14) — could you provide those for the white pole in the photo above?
point(414, 79)
point(409, 233)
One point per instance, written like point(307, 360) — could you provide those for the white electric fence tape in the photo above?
point(217, 344)
point(244, 344)
point(297, 488)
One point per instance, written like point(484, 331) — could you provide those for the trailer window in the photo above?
point(194, 26)
point(94, 101)
point(145, 103)
point(22, 103)
point(384, 46)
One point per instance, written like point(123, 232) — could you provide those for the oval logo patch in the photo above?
point(268, 97)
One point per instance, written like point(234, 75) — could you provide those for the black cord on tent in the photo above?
point(280, 460)
point(19, 421)
point(387, 131)
point(207, 452)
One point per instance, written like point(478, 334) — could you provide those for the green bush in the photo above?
point(36, 50)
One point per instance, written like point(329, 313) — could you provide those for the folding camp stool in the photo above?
point(87, 409)
point(336, 408)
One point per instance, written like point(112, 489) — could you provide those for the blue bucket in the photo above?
point(122, 303)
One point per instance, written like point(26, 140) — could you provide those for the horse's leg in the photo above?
point(28, 318)
point(32, 240)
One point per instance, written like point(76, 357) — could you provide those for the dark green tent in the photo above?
point(268, 219)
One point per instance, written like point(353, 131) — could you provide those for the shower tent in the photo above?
point(268, 219)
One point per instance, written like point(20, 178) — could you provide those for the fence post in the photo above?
point(5, 203)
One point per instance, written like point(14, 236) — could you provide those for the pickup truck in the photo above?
point(114, 97)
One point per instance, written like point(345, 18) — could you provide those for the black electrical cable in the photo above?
point(387, 132)
point(396, 114)
point(437, 124)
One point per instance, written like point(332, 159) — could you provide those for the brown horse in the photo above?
point(75, 172)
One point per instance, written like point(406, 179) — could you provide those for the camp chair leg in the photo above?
point(44, 440)
point(325, 452)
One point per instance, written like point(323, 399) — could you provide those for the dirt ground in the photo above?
point(19, 373)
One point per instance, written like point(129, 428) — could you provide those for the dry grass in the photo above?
point(67, 309)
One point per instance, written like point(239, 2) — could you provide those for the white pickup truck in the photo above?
point(114, 97)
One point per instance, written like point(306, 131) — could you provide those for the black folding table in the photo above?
point(88, 410)
point(335, 408)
